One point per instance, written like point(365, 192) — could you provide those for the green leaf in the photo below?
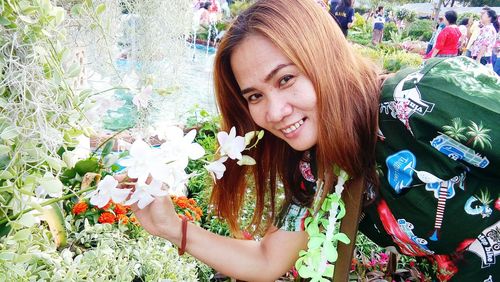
point(306, 272)
point(107, 148)
point(23, 258)
point(5, 174)
point(55, 220)
point(22, 235)
point(4, 21)
point(315, 242)
point(4, 229)
point(329, 270)
point(76, 9)
point(7, 256)
point(88, 165)
point(10, 132)
point(100, 9)
point(330, 251)
point(67, 176)
point(28, 220)
point(341, 237)
point(342, 210)
point(4, 149)
point(27, 19)
point(73, 71)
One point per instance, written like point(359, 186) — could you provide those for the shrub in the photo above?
point(405, 14)
point(389, 29)
point(419, 30)
point(462, 16)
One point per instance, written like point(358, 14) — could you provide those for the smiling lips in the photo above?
point(293, 127)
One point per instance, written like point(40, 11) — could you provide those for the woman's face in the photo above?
point(485, 19)
point(280, 98)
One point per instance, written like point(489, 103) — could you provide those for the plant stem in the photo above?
point(46, 203)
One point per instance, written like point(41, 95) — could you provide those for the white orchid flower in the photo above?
point(176, 181)
point(141, 100)
point(106, 190)
point(230, 144)
point(180, 148)
point(217, 168)
point(143, 161)
point(144, 193)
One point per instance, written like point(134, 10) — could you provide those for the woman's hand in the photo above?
point(159, 218)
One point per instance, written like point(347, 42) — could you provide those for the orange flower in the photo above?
point(120, 209)
point(107, 217)
point(79, 208)
point(188, 214)
point(122, 218)
point(133, 219)
point(182, 203)
point(192, 201)
point(198, 211)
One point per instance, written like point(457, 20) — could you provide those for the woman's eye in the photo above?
point(285, 79)
point(253, 97)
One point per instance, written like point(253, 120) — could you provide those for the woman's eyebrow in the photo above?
point(268, 77)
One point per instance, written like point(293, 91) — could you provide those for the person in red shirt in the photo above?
point(448, 39)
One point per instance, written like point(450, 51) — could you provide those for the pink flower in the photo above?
point(384, 258)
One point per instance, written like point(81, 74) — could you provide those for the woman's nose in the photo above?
point(278, 108)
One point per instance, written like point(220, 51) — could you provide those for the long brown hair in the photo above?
point(347, 97)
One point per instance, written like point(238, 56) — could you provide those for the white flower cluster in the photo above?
point(160, 171)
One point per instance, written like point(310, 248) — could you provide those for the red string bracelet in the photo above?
point(182, 249)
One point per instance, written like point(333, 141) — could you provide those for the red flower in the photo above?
point(107, 217)
point(412, 264)
point(497, 204)
point(120, 209)
point(79, 208)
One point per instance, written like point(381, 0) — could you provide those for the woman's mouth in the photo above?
point(293, 127)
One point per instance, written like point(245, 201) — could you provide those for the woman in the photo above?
point(378, 25)
point(285, 67)
point(482, 48)
point(344, 15)
point(447, 42)
point(464, 28)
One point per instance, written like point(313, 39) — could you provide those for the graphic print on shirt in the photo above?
point(475, 136)
point(407, 102)
point(400, 168)
point(479, 205)
point(443, 190)
point(487, 245)
point(401, 232)
point(305, 170)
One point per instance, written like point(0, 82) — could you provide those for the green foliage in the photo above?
point(98, 253)
point(389, 29)
point(361, 31)
point(390, 57)
point(474, 16)
point(239, 6)
point(419, 30)
point(406, 15)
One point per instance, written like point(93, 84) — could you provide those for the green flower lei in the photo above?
point(318, 261)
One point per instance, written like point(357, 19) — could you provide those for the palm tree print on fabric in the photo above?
point(475, 134)
point(455, 130)
point(478, 135)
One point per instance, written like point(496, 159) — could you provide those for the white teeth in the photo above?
point(293, 127)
